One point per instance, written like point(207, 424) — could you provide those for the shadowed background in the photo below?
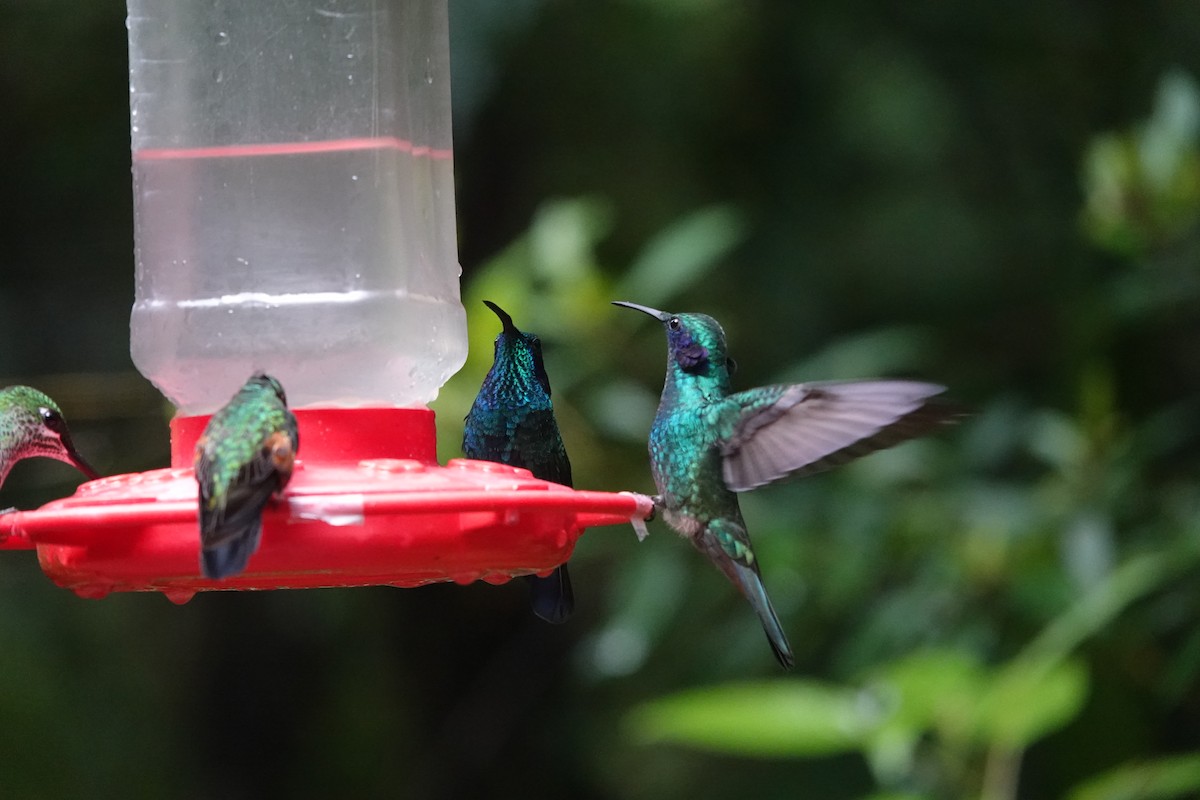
point(1004, 200)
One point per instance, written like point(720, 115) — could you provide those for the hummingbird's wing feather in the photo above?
point(537, 446)
point(528, 438)
point(230, 530)
point(231, 555)
point(798, 429)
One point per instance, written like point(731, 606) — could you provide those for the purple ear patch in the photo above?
point(691, 354)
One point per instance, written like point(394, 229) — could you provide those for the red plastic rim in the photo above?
point(367, 505)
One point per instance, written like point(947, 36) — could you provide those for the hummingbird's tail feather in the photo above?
point(552, 597)
point(727, 545)
point(230, 555)
point(748, 580)
point(230, 532)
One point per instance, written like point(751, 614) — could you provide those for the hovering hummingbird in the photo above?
point(512, 422)
point(244, 456)
point(707, 443)
point(31, 424)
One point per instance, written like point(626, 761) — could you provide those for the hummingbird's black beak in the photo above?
point(661, 316)
point(505, 319)
point(77, 460)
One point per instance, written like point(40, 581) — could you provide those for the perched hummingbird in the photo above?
point(31, 424)
point(244, 456)
point(707, 443)
point(512, 422)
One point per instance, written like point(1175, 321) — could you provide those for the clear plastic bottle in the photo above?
point(294, 200)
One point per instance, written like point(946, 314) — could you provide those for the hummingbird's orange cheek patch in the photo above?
point(283, 455)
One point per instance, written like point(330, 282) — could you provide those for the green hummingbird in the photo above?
point(512, 422)
point(708, 443)
point(243, 458)
point(31, 424)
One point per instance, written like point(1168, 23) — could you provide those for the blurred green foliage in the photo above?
point(1002, 199)
point(1155, 780)
point(1143, 186)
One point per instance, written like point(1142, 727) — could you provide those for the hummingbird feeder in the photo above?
point(294, 212)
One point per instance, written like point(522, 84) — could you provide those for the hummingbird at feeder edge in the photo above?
point(31, 424)
point(244, 457)
point(707, 443)
point(512, 422)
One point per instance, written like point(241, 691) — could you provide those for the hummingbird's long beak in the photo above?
point(77, 460)
point(505, 319)
point(661, 316)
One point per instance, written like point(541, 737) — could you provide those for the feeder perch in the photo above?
point(293, 193)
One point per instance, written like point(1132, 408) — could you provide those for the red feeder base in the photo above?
point(367, 505)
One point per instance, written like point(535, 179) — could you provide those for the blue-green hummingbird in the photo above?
point(708, 443)
point(244, 457)
point(512, 422)
point(31, 424)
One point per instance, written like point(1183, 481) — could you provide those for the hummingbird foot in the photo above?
point(656, 500)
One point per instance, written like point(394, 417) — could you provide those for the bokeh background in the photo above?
point(1002, 198)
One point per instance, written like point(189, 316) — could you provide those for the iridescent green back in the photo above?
point(235, 438)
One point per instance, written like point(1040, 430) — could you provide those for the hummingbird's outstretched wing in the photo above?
point(797, 429)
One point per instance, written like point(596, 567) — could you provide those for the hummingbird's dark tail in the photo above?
point(748, 580)
point(742, 571)
point(229, 534)
point(232, 553)
point(552, 597)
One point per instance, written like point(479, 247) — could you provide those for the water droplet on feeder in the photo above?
point(179, 596)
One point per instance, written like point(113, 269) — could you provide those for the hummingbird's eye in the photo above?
point(674, 323)
point(52, 420)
